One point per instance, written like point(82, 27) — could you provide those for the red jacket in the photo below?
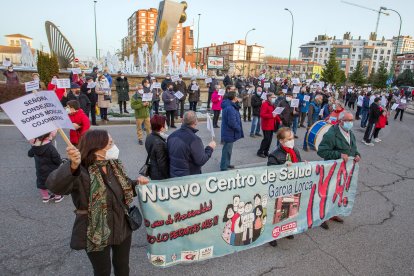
point(217, 100)
point(266, 116)
point(82, 120)
point(382, 121)
point(59, 91)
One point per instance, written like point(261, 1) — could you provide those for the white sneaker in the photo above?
point(369, 144)
point(377, 140)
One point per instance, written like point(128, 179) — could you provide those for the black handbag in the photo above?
point(132, 213)
point(146, 168)
point(107, 98)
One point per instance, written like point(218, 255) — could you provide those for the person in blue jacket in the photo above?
point(108, 77)
point(231, 129)
point(304, 106)
point(365, 110)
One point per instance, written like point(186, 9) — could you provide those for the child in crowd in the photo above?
point(79, 119)
point(47, 159)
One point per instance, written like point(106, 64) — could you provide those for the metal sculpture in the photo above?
point(59, 45)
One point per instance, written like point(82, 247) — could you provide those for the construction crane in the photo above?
point(380, 11)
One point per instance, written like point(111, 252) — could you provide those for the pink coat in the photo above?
point(216, 99)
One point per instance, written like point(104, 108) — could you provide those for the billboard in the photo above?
point(215, 62)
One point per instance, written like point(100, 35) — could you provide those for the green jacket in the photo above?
point(334, 143)
point(141, 111)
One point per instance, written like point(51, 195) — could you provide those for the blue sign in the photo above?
point(210, 215)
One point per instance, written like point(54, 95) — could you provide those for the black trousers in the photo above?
point(399, 111)
point(120, 106)
point(209, 99)
point(181, 106)
point(93, 114)
point(216, 115)
point(170, 117)
point(101, 260)
point(303, 116)
point(376, 132)
point(351, 104)
point(193, 106)
point(358, 112)
point(104, 113)
point(247, 113)
point(156, 107)
point(266, 142)
point(369, 132)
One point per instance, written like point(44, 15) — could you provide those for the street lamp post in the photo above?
point(198, 38)
point(291, 37)
point(245, 41)
point(398, 42)
point(96, 36)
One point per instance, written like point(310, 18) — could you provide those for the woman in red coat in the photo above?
point(52, 87)
point(382, 122)
point(267, 118)
point(79, 120)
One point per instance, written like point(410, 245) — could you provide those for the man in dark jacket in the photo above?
point(186, 150)
point(339, 143)
point(227, 80)
point(122, 89)
point(231, 129)
point(156, 147)
point(287, 114)
point(88, 89)
point(374, 114)
point(182, 87)
point(256, 105)
point(75, 94)
point(165, 82)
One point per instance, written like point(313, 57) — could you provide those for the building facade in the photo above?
point(405, 44)
point(12, 51)
point(142, 25)
point(349, 51)
point(298, 68)
point(404, 62)
point(238, 57)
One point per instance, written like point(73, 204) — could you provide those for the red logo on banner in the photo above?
point(276, 232)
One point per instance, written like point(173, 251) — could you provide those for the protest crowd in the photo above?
point(273, 108)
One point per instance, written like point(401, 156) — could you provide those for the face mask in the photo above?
point(289, 144)
point(103, 80)
point(10, 70)
point(147, 85)
point(273, 100)
point(68, 110)
point(112, 153)
point(122, 77)
point(141, 91)
point(288, 99)
point(348, 125)
point(334, 106)
point(36, 78)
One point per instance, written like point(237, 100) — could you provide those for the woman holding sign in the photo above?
point(104, 96)
point(402, 105)
point(101, 192)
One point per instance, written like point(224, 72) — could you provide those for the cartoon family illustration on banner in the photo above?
point(245, 221)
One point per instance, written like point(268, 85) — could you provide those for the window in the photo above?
point(152, 15)
point(152, 21)
point(375, 57)
point(12, 42)
point(353, 50)
point(389, 52)
point(376, 51)
point(143, 32)
point(18, 42)
point(381, 57)
point(382, 51)
point(143, 14)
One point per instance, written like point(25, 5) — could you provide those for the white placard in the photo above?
point(53, 81)
point(278, 79)
point(403, 101)
point(6, 63)
point(296, 89)
point(306, 98)
point(210, 126)
point(37, 114)
point(350, 90)
point(63, 83)
point(31, 85)
point(294, 103)
point(295, 81)
point(266, 84)
point(208, 80)
point(264, 96)
point(321, 84)
point(147, 97)
point(394, 106)
point(77, 71)
point(175, 78)
point(321, 112)
point(194, 87)
point(91, 85)
point(369, 89)
point(179, 95)
point(284, 91)
point(155, 85)
point(221, 92)
point(278, 110)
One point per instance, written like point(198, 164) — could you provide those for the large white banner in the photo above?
point(37, 114)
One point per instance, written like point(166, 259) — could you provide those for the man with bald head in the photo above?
point(186, 150)
point(339, 143)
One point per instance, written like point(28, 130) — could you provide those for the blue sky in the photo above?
point(221, 20)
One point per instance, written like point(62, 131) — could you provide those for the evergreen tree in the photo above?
point(380, 78)
point(405, 78)
point(331, 71)
point(47, 66)
point(357, 77)
point(341, 77)
point(370, 79)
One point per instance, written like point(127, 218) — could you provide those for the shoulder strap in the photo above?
point(104, 177)
point(149, 155)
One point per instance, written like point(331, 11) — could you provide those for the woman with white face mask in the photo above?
point(285, 153)
point(101, 192)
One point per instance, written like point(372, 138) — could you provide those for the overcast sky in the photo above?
point(221, 20)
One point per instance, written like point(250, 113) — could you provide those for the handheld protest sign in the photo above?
point(63, 83)
point(208, 80)
point(37, 114)
point(221, 92)
point(147, 97)
point(31, 85)
point(294, 103)
point(306, 98)
point(179, 95)
point(210, 126)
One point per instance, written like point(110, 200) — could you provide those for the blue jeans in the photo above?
point(255, 129)
point(295, 124)
point(226, 156)
point(364, 119)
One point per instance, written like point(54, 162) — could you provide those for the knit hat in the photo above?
point(74, 85)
